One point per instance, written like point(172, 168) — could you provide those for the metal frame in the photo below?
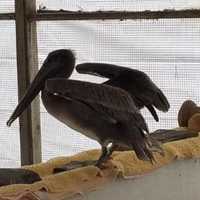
point(27, 62)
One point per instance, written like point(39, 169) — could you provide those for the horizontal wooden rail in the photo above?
point(7, 16)
point(114, 15)
point(51, 15)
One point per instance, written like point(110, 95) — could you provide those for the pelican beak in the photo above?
point(35, 87)
point(54, 62)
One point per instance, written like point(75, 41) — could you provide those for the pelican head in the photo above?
point(59, 63)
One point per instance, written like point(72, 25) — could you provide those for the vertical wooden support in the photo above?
point(27, 66)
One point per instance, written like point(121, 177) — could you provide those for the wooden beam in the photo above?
point(47, 15)
point(113, 15)
point(27, 66)
point(7, 16)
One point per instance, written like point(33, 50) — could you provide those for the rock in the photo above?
point(186, 111)
point(194, 122)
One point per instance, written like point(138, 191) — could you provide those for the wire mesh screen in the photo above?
point(9, 145)
point(167, 50)
point(7, 6)
point(117, 4)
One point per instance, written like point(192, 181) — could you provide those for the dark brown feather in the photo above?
point(111, 102)
point(141, 88)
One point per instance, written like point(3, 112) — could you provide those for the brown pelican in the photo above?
point(141, 88)
point(101, 112)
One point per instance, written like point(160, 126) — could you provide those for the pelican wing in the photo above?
point(143, 91)
point(109, 101)
point(100, 69)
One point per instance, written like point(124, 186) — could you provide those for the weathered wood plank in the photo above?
point(114, 15)
point(27, 66)
point(167, 135)
point(46, 15)
point(10, 176)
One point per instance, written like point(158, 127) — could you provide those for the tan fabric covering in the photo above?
point(123, 164)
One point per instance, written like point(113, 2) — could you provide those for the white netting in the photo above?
point(7, 6)
point(9, 137)
point(167, 50)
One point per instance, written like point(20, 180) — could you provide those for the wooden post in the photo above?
point(27, 66)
